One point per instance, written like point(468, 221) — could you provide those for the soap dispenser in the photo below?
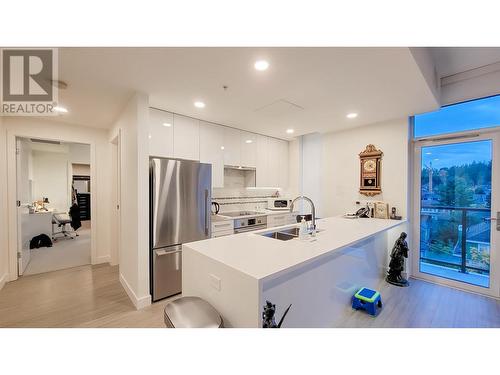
point(303, 229)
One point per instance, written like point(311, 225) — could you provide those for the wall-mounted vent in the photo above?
point(45, 141)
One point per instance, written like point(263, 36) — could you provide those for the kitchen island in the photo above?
point(318, 276)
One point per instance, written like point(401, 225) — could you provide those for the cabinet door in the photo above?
point(232, 147)
point(186, 138)
point(262, 167)
point(248, 142)
point(274, 162)
point(283, 164)
point(211, 140)
point(161, 133)
point(276, 220)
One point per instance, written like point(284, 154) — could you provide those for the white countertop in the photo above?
point(259, 256)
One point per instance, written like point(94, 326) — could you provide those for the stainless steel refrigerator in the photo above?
point(180, 200)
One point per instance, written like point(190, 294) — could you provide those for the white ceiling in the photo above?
point(308, 89)
point(453, 60)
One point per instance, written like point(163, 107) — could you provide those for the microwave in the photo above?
point(278, 204)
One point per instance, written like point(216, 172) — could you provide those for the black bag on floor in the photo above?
point(41, 240)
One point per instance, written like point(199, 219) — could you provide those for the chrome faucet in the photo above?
point(313, 209)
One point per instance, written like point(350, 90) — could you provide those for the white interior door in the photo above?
point(457, 212)
point(23, 242)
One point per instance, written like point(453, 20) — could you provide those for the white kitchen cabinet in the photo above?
point(211, 140)
point(282, 218)
point(262, 167)
point(222, 228)
point(161, 133)
point(232, 147)
point(277, 220)
point(274, 162)
point(248, 142)
point(283, 164)
point(186, 138)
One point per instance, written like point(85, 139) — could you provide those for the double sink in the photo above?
point(284, 234)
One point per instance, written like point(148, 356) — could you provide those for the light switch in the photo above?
point(215, 282)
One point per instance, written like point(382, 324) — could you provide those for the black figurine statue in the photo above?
point(268, 316)
point(396, 266)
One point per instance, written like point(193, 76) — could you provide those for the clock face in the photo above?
point(369, 165)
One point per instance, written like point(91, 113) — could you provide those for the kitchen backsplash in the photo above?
point(244, 199)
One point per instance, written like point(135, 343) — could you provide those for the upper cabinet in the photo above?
point(232, 146)
point(161, 133)
point(181, 137)
point(212, 151)
point(272, 166)
point(262, 168)
point(186, 138)
point(248, 142)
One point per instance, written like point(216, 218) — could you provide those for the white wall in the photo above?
point(471, 86)
point(341, 166)
point(79, 153)
point(50, 179)
point(4, 256)
point(100, 159)
point(132, 125)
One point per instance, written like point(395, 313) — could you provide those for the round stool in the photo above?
point(191, 312)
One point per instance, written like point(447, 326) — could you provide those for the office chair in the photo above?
point(61, 220)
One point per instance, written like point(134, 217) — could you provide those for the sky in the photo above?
point(475, 114)
point(456, 154)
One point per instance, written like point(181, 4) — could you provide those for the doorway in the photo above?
point(53, 200)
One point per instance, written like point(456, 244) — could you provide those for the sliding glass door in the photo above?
point(457, 200)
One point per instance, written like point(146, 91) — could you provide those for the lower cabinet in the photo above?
point(222, 228)
point(276, 220)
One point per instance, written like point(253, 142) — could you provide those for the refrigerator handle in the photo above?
point(207, 210)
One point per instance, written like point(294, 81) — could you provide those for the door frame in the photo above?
point(462, 137)
point(12, 135)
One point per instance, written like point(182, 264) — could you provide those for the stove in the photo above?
point(247, 220)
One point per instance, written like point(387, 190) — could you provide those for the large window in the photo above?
point(475, 114)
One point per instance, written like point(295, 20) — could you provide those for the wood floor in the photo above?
point(92, 296)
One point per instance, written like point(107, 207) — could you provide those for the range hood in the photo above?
point(237, 177)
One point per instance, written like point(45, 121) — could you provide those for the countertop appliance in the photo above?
point(278, 204)
point(180, 202)
point(247, 221)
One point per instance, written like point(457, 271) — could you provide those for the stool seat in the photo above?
point(191, 312)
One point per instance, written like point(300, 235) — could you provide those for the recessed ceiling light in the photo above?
point(60, 109)
point(199, 104)
point(167, 125)
point(261, 65)
point(290, 131)
point(222, 147)
point(149, 136)
point(248, 141)
point(352, 115)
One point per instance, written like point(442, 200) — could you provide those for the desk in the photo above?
point(35, 224)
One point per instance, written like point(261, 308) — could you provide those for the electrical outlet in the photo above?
point(215, 282)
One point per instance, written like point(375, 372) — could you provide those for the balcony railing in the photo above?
point(463, 233)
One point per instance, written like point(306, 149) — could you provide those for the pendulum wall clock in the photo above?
point(370, 176)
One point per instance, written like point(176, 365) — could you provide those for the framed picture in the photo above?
point(381, 210)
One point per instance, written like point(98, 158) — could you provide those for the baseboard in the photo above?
point(102, 259)
point(139, 303)
point(3, 280)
